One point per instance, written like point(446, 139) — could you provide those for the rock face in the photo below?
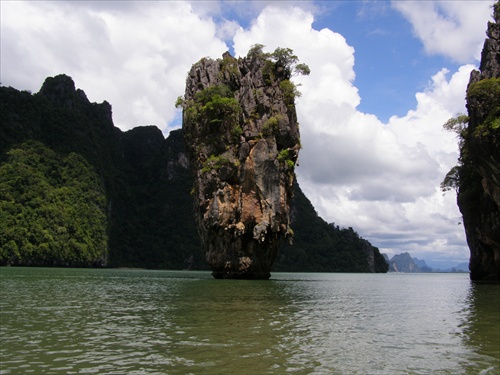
point(404, 263)
point(242, 137)
point(479, 187)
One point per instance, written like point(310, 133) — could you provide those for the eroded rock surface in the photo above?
point(242, 137)
point(479, 189)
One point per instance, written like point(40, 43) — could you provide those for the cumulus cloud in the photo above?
point(451, 28)
point(133, 54)
point(382, 179)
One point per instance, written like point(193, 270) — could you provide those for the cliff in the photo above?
point(77, 191)
point(242, 137)
point(479, 175)
point(405, 263)
point(135, 211)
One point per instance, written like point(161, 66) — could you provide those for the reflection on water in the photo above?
point(70, 321)
point(481, 329)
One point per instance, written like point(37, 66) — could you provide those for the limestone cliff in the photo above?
point(479, 176)
point(404, 263)
point(146, 182)
point(242, 137)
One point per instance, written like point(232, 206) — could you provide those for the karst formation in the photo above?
point(242, 136)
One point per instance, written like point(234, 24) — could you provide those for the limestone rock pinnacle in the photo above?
point(242, 137)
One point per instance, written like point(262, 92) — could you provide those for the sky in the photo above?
point(385, 76)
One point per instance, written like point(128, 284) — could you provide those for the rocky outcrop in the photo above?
point(147, 182)
point(479, 177)
point(405, 263)
point(242, 137)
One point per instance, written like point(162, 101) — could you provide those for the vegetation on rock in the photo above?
point(476, 178)
point(76, 191)
point(52, 209)
point(322, 247)
point(242, 138)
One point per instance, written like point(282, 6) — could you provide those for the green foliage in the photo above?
point(281, 65)
point(236, 132)
point(286, 63)
point(85, 183)
point(221, 109)
point(283, 155)
point(271, 126)
point(290, 92)
point(256, 50)
point(451, 180)
point(214, 105)
point(179, 103)
point(285, 159)
point(52, 209)
point(229, 65)
point(484, 97)
point(486, 93)
point(215, 162)
point(496, 11)
point(302, 69)
point(457, 124)
point(148, 222)
point(322, 247)
point(208, 94)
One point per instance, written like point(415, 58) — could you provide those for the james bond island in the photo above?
point(76, 191)
point(242, 137)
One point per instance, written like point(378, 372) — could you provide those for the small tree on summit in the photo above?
point(287, 63)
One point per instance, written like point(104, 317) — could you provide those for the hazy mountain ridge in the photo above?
point(404, 262)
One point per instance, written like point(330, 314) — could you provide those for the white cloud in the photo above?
point(135, 55)
point(452, 28)
point(381, 179)
point(386, 183)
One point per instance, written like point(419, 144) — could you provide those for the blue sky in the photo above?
point(390, 64)
point(385, 77)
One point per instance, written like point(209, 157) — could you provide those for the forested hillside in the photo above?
point(77, 191)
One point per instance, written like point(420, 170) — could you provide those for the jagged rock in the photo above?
point(404, 263)
point(147, 182)
point(242, 137)
point(479, 188)
point(60, 91)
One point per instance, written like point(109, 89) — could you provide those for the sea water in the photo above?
point(112, 321)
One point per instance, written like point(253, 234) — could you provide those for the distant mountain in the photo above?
point(77, 191)
point(422, 265)
point(461, 267)
point(419, 263)
point(405, 263)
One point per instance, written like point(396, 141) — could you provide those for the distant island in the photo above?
point(405, 263)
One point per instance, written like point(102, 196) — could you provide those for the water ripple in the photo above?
point(157, 322)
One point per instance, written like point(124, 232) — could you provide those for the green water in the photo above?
point(87, 321)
